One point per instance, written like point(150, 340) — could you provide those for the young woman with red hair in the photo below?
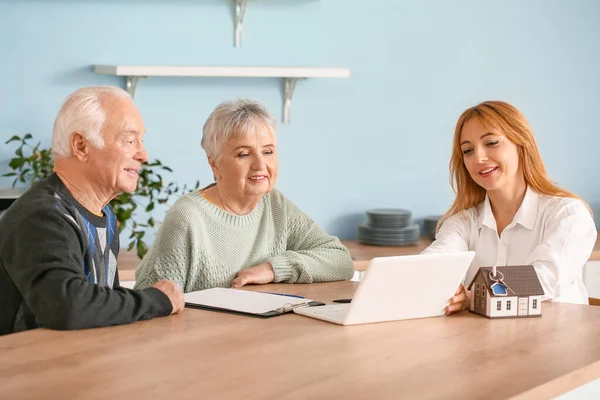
point(508, 211)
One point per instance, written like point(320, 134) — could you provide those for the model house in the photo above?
point(505, 292)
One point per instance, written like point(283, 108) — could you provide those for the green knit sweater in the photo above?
point(200, 246)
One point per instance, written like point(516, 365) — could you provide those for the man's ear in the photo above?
point(214, 167)
point(80, 147)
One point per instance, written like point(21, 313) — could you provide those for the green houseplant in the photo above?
point(33, 163)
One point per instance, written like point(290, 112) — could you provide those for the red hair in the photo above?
point(515, 127)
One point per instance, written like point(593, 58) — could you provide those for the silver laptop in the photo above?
point(396, 288)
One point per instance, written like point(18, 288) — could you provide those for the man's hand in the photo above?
point(460, 301)
point(262, 273)
point(173, 293)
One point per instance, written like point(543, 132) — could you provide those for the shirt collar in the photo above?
point(486, 217)
point(526, 214)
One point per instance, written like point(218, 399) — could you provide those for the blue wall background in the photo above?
point(379, 139)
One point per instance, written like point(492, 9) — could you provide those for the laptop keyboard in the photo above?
point(334, 311)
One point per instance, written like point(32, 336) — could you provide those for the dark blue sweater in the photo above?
point(58, 266)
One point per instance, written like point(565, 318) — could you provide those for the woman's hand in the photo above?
point(460, 301)
point(262, 273)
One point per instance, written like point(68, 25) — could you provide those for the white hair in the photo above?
point(82, 112)
point(233, 118)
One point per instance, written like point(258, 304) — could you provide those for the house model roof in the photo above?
point(520, 279)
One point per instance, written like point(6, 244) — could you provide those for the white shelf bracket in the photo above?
point(289, 84)
point(131, 84)
point(240, 10)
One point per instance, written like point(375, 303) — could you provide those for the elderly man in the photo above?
point(59, 241)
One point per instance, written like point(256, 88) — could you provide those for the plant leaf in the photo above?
point(142, 249)
point(16, 163)
point(12, 139)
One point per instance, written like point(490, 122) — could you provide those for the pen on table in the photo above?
point(284, 294)
point(342, 301)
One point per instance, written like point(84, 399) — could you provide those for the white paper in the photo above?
point(241, 300)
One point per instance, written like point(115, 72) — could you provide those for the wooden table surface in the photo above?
point(361, 253)
point(204, 354)
point(364, 253)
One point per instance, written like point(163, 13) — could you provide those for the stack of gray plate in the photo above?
point(389, 227)
point(430, 224)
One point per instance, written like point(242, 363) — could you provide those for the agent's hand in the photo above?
point(173, 293)
point(262, 273)
point(460, 301)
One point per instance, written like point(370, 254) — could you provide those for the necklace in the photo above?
point(223, 204)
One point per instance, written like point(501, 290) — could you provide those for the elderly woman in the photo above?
point(241, 230)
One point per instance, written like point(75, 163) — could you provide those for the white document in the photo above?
point(244, 301)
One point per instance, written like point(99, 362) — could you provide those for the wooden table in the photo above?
point(361, 253)
point(204, 354)
point(364, 253)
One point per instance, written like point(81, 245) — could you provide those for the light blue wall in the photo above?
point(379, 139)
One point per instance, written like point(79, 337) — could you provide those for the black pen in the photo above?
point(342, 301)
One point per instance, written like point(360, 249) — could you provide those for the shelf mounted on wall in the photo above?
point(240, 11)
point(289, 76)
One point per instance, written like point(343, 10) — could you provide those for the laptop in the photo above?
point(398, 288)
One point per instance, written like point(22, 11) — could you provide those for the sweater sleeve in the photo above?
point(46, 265)
point(171, 254)
point(312, 255)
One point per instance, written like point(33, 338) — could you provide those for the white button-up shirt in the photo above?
point(554, 234)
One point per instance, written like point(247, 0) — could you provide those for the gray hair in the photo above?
point(82, 112)
point(233, 118)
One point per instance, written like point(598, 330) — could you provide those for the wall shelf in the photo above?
point(289, 76)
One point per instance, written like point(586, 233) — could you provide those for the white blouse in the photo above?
point(554, 234)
